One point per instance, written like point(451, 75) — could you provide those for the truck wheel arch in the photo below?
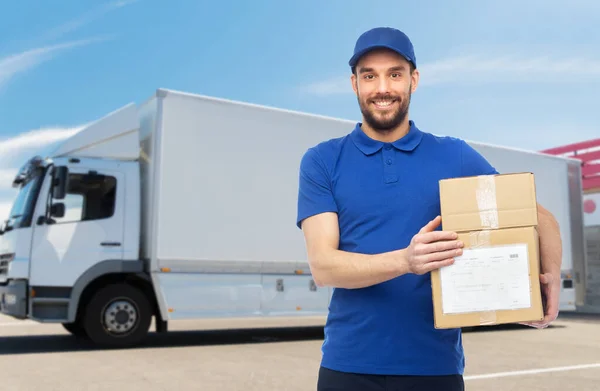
point(107, 272)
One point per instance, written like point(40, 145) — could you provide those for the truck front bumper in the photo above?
point(13, 298)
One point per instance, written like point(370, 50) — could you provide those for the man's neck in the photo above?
point(389, 136)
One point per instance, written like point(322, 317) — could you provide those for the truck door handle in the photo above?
point(111, 244)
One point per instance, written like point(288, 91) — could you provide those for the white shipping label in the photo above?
point(487, 279)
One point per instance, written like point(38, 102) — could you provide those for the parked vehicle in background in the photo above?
point(587, 153)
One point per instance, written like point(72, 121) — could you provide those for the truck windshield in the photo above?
point(21, 213)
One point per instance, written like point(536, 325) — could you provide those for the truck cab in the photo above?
point(72, 237)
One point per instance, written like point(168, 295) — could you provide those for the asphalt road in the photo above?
point(44, 357)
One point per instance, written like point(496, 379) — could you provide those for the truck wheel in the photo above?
point(76, 329)
point(118, 315)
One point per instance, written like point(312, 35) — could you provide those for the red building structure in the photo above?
point(589, 154)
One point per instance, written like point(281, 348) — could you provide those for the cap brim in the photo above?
point(354, 59)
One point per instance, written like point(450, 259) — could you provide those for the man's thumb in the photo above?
point(432, 225)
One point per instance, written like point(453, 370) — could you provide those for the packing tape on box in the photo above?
point(486, 201)
point(479, 238)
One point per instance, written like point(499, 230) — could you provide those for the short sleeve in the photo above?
point(314, 189)
point(473, 163)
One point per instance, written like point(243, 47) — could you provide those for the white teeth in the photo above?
point(383, 103)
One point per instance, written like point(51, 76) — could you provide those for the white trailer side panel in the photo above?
point(220, 182)
point(226, 183)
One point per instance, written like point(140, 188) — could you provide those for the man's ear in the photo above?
point(354, 80)
point(415, 76)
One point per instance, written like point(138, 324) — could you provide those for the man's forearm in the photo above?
point(550, 243)
point(350, 270)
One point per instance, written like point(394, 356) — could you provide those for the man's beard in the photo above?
point(389, 122)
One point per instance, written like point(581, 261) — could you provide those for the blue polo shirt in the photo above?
point(384, 193)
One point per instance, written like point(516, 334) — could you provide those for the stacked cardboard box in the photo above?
point(496, 280)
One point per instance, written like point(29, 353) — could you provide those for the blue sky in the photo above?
point(523, 74)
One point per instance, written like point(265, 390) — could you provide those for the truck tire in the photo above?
point(75, 329)
point(117, 316)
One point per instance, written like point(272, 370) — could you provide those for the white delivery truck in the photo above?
point(184, 208)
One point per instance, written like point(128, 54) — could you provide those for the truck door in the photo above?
point(90, 230)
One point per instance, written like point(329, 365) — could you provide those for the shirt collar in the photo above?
point(369, 146)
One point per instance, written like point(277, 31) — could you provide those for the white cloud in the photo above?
point(511, 69)
point(122, 3)
point(483, 69)
point(16, 150)
point(6, 177)
point(84, 19)
point(333, 86)
point(33, 139)
point(5, 210)
point(14, 64)
point(18, 63)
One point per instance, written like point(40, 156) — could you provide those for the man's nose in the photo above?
point(383, 85)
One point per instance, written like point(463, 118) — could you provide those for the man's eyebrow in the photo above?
point(396, 68)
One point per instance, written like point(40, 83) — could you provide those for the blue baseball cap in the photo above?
point(384, 37)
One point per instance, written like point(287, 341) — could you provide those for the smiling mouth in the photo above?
point(383, 103)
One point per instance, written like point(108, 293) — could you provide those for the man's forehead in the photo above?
point(389, 65)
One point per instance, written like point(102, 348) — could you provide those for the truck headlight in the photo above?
point(10, 299)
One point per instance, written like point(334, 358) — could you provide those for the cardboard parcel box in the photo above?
point(496, 280)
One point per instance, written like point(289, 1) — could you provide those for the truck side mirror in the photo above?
point(57, 210)
point(59, 185)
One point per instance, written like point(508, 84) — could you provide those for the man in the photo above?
point(369, 209)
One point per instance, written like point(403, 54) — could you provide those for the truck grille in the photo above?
point(5, 260)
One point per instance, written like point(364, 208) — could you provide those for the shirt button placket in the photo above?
point(389, 167)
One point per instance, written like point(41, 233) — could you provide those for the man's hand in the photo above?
point(430, 249)
point(551, 257)
point(550, 298)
